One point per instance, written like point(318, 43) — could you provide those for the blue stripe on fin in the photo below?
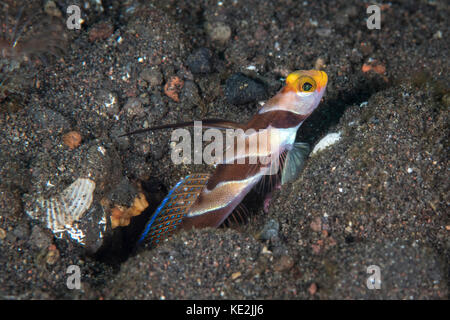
point(149, 224)
point(164, 221)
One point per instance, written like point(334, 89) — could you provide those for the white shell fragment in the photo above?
point(326, 141)
point(63, 210)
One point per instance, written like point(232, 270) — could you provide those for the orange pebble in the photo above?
point(72, 139)
point(173, 87)
point(312, 289)
point(121, 216)
point(379, 68)
point(366, 67)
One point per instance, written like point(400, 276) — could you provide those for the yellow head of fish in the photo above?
point(301, 94)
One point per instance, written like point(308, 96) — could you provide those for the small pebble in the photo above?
point(437, 35)
point(235, 275)
point(48, 119)
point(326, 141)
point(51, 9)
point(152, 76)
point(323, 32)
point(22, 231)
point(200, 61)
point(375, 67)
point(316, 224)
point(133, 107)
point(190, 95)
point(218, 32)
point(108, 103)
point(319, 64)
point(284, 263)
point(312, 289)
point(270, 230)
point(2, 234)
point(72, 139)
point(39, 238)
point(52, 255)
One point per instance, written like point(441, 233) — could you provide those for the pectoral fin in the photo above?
point(295, 161)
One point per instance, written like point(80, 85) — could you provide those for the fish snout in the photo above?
point(321, 79)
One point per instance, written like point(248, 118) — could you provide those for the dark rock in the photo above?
point(158, 106)
point(133, 107)
point(107, 103)
point(270, 230)
point(22, 231)
point(284, 263)
point(40, 238)
point(49, 120)
point(93, 225)
point(240, 89)
point(152, 76)
point(200, 61)
point(115, 133)
point(123, 194)
point(189, 94)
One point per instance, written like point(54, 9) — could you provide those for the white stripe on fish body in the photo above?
point(223, 194)
point(286, 137)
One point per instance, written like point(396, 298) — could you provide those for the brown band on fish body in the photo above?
point(277, 119)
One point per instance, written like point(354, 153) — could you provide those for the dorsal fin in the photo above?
point(207, 123)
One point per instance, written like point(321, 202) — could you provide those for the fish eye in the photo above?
point(307, 86)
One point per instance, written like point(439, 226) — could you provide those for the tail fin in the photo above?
point(169, 215)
